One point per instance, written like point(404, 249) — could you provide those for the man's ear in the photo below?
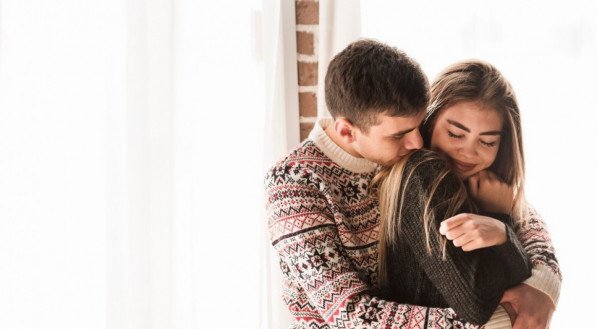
point(345, 129)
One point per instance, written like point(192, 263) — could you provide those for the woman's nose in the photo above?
point(468, 150)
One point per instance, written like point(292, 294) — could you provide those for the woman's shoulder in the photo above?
point(427, 164)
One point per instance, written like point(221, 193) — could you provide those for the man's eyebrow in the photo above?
point(463, 127)
point(403, 132)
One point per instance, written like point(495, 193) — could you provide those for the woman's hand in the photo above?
point(491, 193)
point(470, 231)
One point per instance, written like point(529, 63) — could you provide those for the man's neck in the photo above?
point(338, 140)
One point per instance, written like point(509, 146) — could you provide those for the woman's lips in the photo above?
point(463, 166)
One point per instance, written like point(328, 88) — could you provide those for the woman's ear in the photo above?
point(345, 129)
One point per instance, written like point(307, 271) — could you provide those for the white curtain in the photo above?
point(132, 156)
point(339, 25)
point(281, 135)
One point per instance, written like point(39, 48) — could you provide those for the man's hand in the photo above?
point(533, 307)
point(511, 313)
point(470, 231)
point(491, 193)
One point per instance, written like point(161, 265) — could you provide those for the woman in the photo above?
point(473, 121)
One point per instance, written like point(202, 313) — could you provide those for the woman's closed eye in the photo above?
point(488, 144)
point(453, 135)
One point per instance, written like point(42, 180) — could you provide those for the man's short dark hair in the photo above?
point(369, 77)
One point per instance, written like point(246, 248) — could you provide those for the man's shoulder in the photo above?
point(303, 160)
point(306, 153)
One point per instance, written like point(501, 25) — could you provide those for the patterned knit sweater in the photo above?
point(472, 283)
point(324, 225)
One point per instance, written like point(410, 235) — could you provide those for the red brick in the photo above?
point(307, 12)
point(308, 104)
point(305, 43)
point(307, 74)
point(305, 130)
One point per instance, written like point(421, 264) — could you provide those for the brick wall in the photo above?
point(307, 25)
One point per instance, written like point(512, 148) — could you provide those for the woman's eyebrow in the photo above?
point(491, 133)
point(459, 125)
point(463, 127)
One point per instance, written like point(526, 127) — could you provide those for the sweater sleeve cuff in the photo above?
point(545, 280)
point(499, 320)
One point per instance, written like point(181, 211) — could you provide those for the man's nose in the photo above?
point(414, 141)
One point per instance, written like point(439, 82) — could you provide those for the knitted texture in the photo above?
point(324, 224)
point(546, 271)
point(472, 283)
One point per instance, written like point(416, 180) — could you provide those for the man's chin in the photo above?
point(393, 161)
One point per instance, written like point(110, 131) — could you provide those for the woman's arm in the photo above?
point(535, 300)
point(471, 282)
point(495, 195)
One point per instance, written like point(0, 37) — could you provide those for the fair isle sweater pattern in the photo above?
point(323, 223)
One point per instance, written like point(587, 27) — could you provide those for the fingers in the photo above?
point(522, 322)
point(455, 232)
point(471, 232)
point(486, 180)
point(491, 175)
point(518, 324)
point(512, 296)
point(474, 244)
point(489, 178)
point(511, 312)
point(463, 240)
point(473, 185)
point(452, 222)
point(483, 175)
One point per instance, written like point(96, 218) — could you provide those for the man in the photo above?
point(323, 218)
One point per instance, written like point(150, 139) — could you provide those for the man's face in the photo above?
point(390, 140)
point(470, 135)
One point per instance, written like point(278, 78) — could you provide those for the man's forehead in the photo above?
point(401, 124)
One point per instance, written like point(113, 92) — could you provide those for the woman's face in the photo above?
point(469, 134)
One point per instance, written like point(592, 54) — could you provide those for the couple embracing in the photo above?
point(407, 209)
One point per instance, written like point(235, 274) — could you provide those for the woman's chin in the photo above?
point(463, 175)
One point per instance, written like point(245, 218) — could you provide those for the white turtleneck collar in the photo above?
point(335, 152)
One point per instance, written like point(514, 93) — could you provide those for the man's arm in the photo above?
point(305, 235)
point(537, 242)
point(535, 300)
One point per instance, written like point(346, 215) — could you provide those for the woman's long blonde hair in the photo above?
point(392, 182)
point(472, 80)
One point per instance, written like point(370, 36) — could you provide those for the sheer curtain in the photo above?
point(62, 75)
point(281, 134)
point(339, 25)
point(132, 138)
point(547, 51)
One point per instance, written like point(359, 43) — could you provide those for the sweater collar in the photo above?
point(335, 152)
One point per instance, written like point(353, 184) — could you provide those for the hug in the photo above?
point(407, 209)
